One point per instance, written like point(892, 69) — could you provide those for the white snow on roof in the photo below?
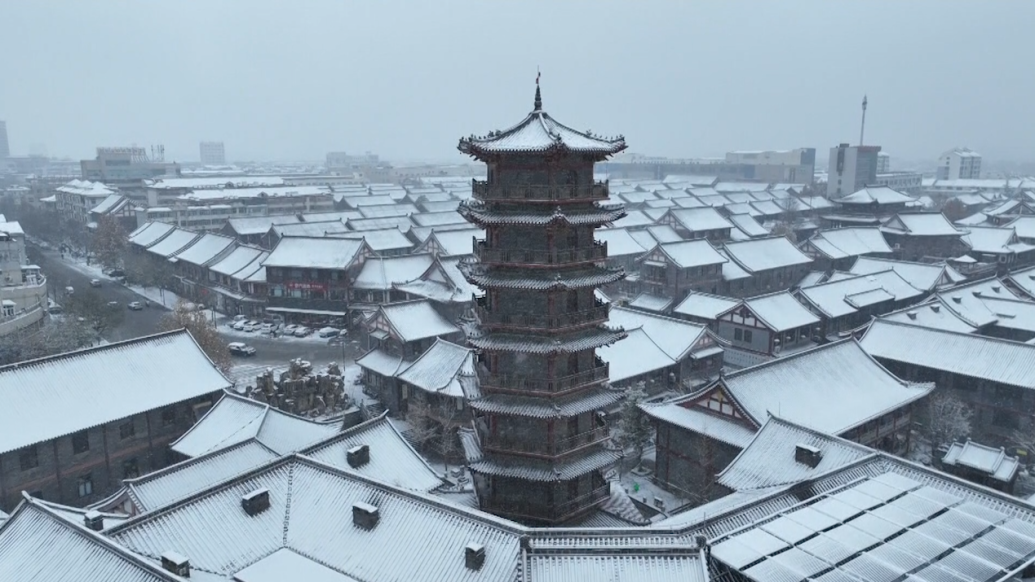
point(216, 182)
point(83, 389)
point(748, 225)
point(416, 320)
point(991, 240)
point(457, 242)
point(832, 388)
point(840, 243)
point(664, 233)
point(619, 242)
point(110, 204)
point(633, 219)
point(674, 336)
point(445, 368)
point(174, 243)
point(86, 188)
point(263, 192)
point(920, 224)
point(765, 254)
point(386, 210)
point(310, 229)
point(989, 460)
point(314, 253)
point(387, 239)
point(208, 247)
point(694, 418)
point(691, 253)
point(150, 233)
point(964, 354)
point(648, 302)
point(381, 273)
point(699, 219)
point(934, 315)
point(562, 566)
point(257, 225)
point(878, 194)
point(438, 218)
point(239, 258)
point(634, 355)
point(923, 276)
point(704, 306)
point(781, 311)
point(832, 297)
point(538, 132)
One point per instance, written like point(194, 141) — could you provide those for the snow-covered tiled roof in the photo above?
point(704, 306)
point(59, 395)
point(392, 460)
point(386, 210)
point(179, 481)
point(86, 188)
point(113, 203)
point(840, 243)
point(765, 253)
point(403, 223)
point(695, 419)
point(1024, 280)
point(781, 311)
point(214, 182)
point(635, 355)
point(381, 273)
point(36, 544)
point(831, 388)
point(545, 470)
point(238, 259)
point(206, 249)
point(691, 253)
point(444, 368)
point(923, 276)
point(572, 565)
point(314, 253)
point(992, 461)
point(832, 297)
point(769, 459)
point(175, 242)
point(561, 407)
point(748, 225)
point(963, 354)
point(811, 278)
point(438, 218)
point(150, 233)
point(634, 219)
point(381, 362)
point(381, 240)
point(675, 337)
point(649, 302)
point(540, 133)
point(699, 219)
point(993, 240)
point(309, 229)
point(257, 225)
point(262, 192)
point(920, 224)
point(878, 194)
point(620, 242)
point(416, 320)
point(457, 242)
point(933, 314)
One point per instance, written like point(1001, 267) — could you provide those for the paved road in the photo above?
point(270, 352)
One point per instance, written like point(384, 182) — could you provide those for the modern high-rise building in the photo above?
point(959, 163)
point(883, 162)
point(5, 147)
point(213, 153)
point(851, 169)
point(125, 164)
point(538, 453)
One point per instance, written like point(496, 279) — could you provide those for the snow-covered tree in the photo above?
point(55, 337)
point(109, 242)
point(202, 330)
point(635, 425)
point(944, 417)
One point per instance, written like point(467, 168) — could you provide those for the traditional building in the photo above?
point(538, 455)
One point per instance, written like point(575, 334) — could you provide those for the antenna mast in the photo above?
point(862, 128)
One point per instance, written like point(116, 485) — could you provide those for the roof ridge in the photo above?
point(795, 355)
point(99, 348)
point(950, 332)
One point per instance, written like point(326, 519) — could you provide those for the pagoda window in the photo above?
point(573, 426)
point(573, 301)
point(573, 364)
point(573, 238)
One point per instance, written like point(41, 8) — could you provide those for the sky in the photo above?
point(279, 80)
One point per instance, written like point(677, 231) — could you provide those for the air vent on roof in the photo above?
point(936, 308)
point(474, 556)
point(256, 502)
point(358, 456)
point(807, 455)
point(175, 563)
point(94, 520)
point(365, 515)
point(995, 288)
point(957, 299)
point(977, 292)
point(911, 314)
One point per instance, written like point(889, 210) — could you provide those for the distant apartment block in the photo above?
point(125, 164)
point(213, 153)
point(959, 163)
point(23, 289)
point(795, 166)
point(883, 162)
point(5, 147)
point(909, 182)
point(851, 169)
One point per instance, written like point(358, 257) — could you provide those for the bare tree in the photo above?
point(784, 223)
point(109, 242)
point(944, 417)
point(203, 331)
point(55, 337)
point(89, 307)
point(635, 425)
point(419, 417)
point(954, 210)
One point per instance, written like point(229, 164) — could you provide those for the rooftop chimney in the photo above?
point(365, 515)
point(358, 456)
point(175, 563)
point(807, 455)
point(474, 556)
point(94, 520)
point(256, 502)
point(911, 314)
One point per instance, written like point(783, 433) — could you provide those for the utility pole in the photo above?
point(862, 128)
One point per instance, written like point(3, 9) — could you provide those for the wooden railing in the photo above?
point(546, 447)
point(486, 254)
point(482, 190)
point(520, 508)
point(596, 314)
point(533, 385)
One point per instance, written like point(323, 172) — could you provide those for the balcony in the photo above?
point(540, 257)
point(542, 386)
point(546, 322)
point(546, 448)
point(522, 509)
point(482, 190)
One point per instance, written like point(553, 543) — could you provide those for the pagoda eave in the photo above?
point(536, 407)
point(540, 345)
point(475, 211)
point(545, 471)
point(486, 278)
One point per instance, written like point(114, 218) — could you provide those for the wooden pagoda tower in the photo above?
point(538, 440)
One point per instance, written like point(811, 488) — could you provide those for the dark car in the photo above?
point(240, 349)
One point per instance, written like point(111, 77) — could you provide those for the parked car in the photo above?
point(266, 327)
point(249, 327)
point(69, 290)
point(302, 331)
point(239, 325)
point(135, 306)
point(95, 282)
point(116, 273)
point(329, 332)
point(240, 317)
point(113, 304)
point(289, 329)
point(240, 349)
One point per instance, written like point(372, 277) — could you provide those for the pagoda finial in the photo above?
point(538, 95)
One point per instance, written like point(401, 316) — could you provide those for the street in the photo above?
point(270, 352)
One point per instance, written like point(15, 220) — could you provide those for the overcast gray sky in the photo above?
point(293, 80)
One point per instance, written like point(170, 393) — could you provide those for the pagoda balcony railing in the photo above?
point(559, 322)
point(482, 190)
point(522, 509)
point(542, 386)
point(540, 257)
point(546, 447)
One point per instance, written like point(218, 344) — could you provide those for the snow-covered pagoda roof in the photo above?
point(540, 133)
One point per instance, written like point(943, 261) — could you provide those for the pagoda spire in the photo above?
point(538, 95)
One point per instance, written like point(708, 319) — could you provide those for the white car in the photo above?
point(240, 317)
point(302, 331)
point(326, 332)
point(289, 329)
point(266, 327)
point(239, 325)
point(250, 327)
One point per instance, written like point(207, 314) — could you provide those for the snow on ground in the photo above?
point(79, 264)
point(642, 488)
point(159, 296)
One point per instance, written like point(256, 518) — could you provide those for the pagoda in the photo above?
point(537, 452)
